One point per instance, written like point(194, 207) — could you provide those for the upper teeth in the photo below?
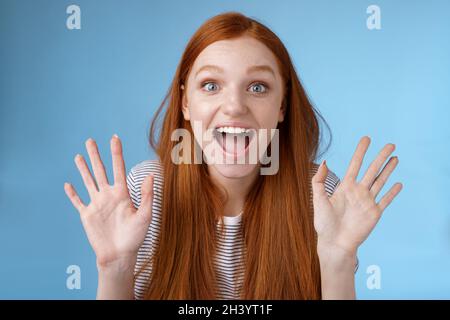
point(232, 130)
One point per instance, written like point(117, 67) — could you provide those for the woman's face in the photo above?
point(234, 89)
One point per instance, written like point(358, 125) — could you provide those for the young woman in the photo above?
point(225, 231)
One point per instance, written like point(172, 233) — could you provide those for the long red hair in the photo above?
point(281, 260)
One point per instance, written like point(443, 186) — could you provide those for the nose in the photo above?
point(234, 103)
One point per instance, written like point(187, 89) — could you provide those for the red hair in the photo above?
point(281, 260)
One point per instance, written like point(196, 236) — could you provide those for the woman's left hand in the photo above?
point(344, 220)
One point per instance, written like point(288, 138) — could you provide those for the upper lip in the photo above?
point(236, 124)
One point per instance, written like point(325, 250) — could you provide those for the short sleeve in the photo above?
point(131, 185)
point(135, 178)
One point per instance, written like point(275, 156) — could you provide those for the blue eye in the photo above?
point(210, 86)
point(258, 88)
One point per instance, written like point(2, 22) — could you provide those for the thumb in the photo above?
point(318, 181)
point(145, 209)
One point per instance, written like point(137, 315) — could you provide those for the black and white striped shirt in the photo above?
point(229, 259)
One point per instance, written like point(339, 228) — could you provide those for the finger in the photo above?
point(380, 181)
point(389, 196)
point(117, 159)
point(73, 196)
point(86, 175)
point(357, 159)
point(376, 165)
point(145, 209)
point(97, 164)
point(318, 181)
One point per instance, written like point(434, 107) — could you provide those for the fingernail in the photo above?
point(115, 135)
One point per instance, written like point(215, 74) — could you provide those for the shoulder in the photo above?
point(331, 181)
point(138, 173)
point(146, 167)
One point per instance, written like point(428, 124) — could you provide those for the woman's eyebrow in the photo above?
point(258, 68)
point(211, 68)
point(252, 69)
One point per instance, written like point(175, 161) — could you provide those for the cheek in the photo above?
point(202, 115)
point(203, 107)
point(202, 112)
point(266, 112)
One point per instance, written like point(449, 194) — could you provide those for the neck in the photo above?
point(236, 188)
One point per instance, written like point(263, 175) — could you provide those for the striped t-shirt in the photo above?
point(229, 257)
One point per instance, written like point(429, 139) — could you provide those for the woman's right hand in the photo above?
point(114, 227)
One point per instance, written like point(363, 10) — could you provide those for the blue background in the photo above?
point(58, 87)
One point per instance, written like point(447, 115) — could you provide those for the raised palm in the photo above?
point(114, 227)
point(346, 219)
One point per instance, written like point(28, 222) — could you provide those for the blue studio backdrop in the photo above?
point(61, 84)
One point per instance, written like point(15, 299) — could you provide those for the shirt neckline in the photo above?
point(232, 220)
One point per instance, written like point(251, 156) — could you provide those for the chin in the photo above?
point(235, 171)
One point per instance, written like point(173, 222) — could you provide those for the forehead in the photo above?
point(236, 55)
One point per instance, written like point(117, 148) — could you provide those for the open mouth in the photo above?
point(234, 140)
